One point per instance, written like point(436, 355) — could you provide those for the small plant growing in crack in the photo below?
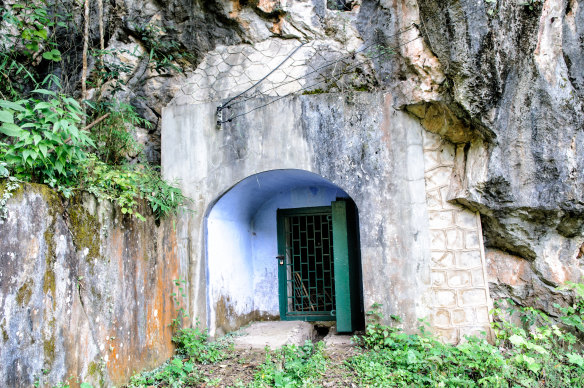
point(177, 322)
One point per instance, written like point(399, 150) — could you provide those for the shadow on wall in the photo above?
point(241, 243)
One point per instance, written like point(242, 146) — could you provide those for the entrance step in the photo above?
point(274, 334)
point(336, 340)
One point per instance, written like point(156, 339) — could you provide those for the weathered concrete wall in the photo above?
point(85, 292)
point(376, 155)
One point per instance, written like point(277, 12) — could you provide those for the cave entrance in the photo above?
point(296, 218)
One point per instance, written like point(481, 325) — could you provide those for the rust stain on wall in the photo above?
point(101, 317)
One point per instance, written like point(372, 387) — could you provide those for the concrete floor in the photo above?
point(276, 334)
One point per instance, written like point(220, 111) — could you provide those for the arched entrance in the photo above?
point(283, 244)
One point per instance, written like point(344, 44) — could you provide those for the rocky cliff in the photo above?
point(502, 80)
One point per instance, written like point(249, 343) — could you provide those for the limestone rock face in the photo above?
point(516, 72)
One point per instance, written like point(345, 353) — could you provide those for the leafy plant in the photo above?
point(108, 67)
point(293, 366)
point(174, 373)
point(7, 187)
point(194, 343)
point(30, 38)
point(112, 135)
point(45, 142)
point(574, 315)
point(182, 313)
point(163, 52)
point(536, 353)
point(127, 184)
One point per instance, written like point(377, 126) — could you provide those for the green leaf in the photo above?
point(53, 55)
point(43, 149)
point(12, 105)
point(10, 129)
point(27, 34)
point(59, 167)
point(575, 359)
point(517, 340)
point(41, 33)
point(32, 46)
point(45, 92)
point(26, 154)
point(6, 116)
point(42, 106)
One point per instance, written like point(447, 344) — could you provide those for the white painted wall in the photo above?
point(230, 267)
point(241, 238)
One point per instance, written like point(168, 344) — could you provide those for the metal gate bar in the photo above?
point(309, 264)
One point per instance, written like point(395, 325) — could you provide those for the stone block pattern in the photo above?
point(229, 70)
point(461, 296)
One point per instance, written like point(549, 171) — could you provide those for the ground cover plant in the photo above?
point(534, 352)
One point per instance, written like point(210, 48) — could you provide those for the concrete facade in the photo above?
point(422, 256)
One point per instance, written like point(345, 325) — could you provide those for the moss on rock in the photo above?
point(85, 229)
point(49, 350)
point(50, 259)
point(24, 293)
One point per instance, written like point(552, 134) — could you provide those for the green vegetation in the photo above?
point(163, 53)
point(32, 26)
point(45, 143)
point(293, 366)
point(539, 353)
point(194, 343)
point(43, 133)
point(193, 347)
point(533, 353)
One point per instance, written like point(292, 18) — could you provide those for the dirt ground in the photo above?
point(242, 364)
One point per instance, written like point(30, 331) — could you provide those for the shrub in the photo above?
point(538, 354)
point(44, 142)
point(194, 343)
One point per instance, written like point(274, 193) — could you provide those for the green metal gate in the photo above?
point(319, 267)
point(306, 270)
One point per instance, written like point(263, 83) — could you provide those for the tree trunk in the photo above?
point(85, 48)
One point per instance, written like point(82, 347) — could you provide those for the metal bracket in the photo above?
point(220, 116)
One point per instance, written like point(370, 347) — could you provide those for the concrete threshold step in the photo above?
point(276, 334)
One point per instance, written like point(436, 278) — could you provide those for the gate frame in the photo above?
point(282, 269)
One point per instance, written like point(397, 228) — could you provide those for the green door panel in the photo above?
point(347, 271)
point(305, 264)
point(342, 281)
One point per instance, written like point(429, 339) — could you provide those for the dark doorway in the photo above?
point(319, 267)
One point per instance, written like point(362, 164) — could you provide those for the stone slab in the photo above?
point(274, 334)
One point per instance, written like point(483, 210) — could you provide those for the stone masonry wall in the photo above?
point(461, 294)
point(283, 66)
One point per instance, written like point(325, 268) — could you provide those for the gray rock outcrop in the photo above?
point(503, 81)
